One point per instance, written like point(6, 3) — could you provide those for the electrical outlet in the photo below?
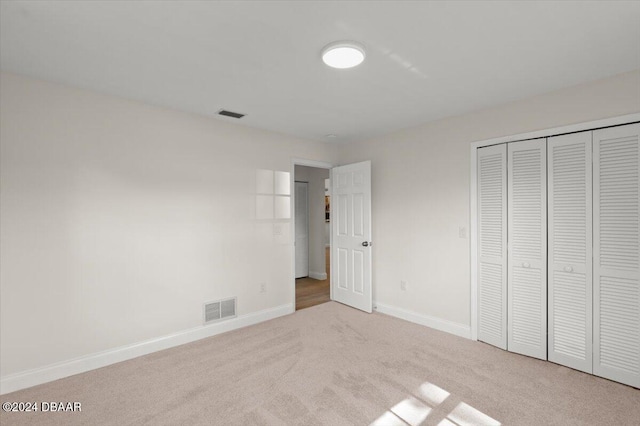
point(403, 285)
point(263, 287)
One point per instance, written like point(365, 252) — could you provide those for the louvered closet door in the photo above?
point(616, 275)
point(492, 245)
point(570, 284)
point(527, 258)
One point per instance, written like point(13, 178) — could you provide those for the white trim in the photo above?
point(309, 163)
point(25, 379)
point(473, 241)
point(545, 133)
point(473, 226)
point(331, 235)
point(451, 327)
point(318, 275)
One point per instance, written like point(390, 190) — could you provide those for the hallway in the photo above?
point(310, 292)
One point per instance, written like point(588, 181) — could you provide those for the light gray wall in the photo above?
point(315, 177)
point(420, 184)
point(119, 220)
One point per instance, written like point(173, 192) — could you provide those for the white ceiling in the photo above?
point(425, 60)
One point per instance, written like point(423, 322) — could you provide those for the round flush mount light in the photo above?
point(343, 54)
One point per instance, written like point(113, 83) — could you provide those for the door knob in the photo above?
point(568, 269)
point(525, 264)
point(365, 244)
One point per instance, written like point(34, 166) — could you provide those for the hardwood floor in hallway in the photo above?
point(310, 292)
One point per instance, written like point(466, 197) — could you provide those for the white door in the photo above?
point(527, 248)
point(351, 234)
point(302, 229)
point(570, 235)
point(616, 261)
point(492, 245)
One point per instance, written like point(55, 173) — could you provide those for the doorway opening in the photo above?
point(312, 231)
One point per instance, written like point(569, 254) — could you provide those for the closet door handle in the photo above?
point(525, 264)
point(568, 269)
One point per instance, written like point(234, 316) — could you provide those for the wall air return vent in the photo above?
point(219, 310)
point(230, 113)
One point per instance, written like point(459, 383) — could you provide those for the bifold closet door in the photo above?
point(570, 229)
point(492, 245)
point(527, 243)
point(616, 274)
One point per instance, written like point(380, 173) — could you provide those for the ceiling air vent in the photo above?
point(230, 113)
point(221, 309)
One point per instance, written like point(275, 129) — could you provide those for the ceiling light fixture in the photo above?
point(343, 54)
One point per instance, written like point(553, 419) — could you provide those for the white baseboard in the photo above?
point(458, 329)
point(25, 379)
point(318, 275)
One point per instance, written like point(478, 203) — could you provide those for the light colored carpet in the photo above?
point(333, 365)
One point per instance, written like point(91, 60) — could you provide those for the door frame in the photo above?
point(473, 198)
point(319, 165)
